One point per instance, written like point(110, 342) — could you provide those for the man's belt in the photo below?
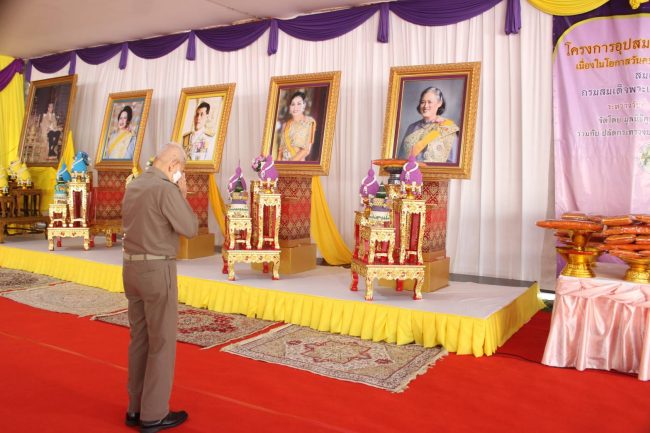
point(140, 257)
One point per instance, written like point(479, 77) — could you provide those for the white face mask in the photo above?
point(176, 176)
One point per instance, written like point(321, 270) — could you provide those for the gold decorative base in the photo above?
point(578, 263)
point(639, 271)
point(261, 257)
point(67, 232)
point(294, 260)
point(198, 246)
point(436, 276)
point(388, 272)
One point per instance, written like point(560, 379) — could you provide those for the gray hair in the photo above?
point(169, 152)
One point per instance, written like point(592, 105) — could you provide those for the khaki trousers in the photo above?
point(151, 289)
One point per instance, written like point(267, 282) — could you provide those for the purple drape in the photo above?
point(73, 63)
point(154, 48)
point(327, 25)
point(7, 74)
point(98, 55)
point(233, 38)
point(612, 7)
point(513, 17)
point(316, 27)
point(191, 47)
point(441, 12)
point(51, 63)
point(382, 31)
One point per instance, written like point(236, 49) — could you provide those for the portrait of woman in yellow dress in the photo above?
point(121, 141)
point(432, 138)
point(296, 135)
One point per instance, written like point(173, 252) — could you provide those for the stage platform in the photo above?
point(465, 317)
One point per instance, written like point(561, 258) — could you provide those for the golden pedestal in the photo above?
point(638, 271)
point(388, 272)
point(198, 246)
point(67, 232)
point(436, 276)
point(294, 260)
point(257, 257)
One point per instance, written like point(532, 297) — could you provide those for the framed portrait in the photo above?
point(125, 119)
point(300, 119)
point(431, 114)
point(201, 124)
point(47, 120)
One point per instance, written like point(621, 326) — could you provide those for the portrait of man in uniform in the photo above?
point(201, 124)
point(199, 142)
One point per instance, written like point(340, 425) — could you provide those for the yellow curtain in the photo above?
point(323, 228)
point(12, 111)
point(44, 178)
point(216, 202)
point(567, 7)
point(68, 153)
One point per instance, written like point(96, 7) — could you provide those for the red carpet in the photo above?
point(65, 374)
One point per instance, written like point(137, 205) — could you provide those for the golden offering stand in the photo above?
point(252, 235)
point(396, 272)
point(411, 216)
point(404, 227)
point(75, 222)
point(58, 213)
point(638, 271)
point(266, 211)
point(579, 257)
point(371, 236)
point(238, 221)
point(230, 257)
point(236, 226)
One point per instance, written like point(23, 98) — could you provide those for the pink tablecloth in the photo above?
point(601, 323)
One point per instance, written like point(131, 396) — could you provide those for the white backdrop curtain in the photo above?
point(491, 218)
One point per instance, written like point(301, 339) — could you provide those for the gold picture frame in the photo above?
point(123, 129)
point(208, 109)
point(431, 113)
point(47, 120)
point(300, 141)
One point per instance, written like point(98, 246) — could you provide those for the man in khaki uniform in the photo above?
point(154, 212)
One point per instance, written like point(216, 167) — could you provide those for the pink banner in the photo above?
point(601, 94)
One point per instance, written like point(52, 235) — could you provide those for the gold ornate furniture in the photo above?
point(252, 233)
point(72, 223)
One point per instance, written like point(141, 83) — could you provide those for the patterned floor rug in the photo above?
point(70, 298)
point(204, 328)
point(382, 365)
point(13, 279)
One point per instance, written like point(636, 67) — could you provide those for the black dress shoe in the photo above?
point(172, 419)
point(132, 419)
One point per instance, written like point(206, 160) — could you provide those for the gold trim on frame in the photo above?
point(320, 168)
point(112, 99)
point(227, 92)
point(72, 79)
point(471, 72)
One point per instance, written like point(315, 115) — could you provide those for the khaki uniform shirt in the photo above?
point(154, 213)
